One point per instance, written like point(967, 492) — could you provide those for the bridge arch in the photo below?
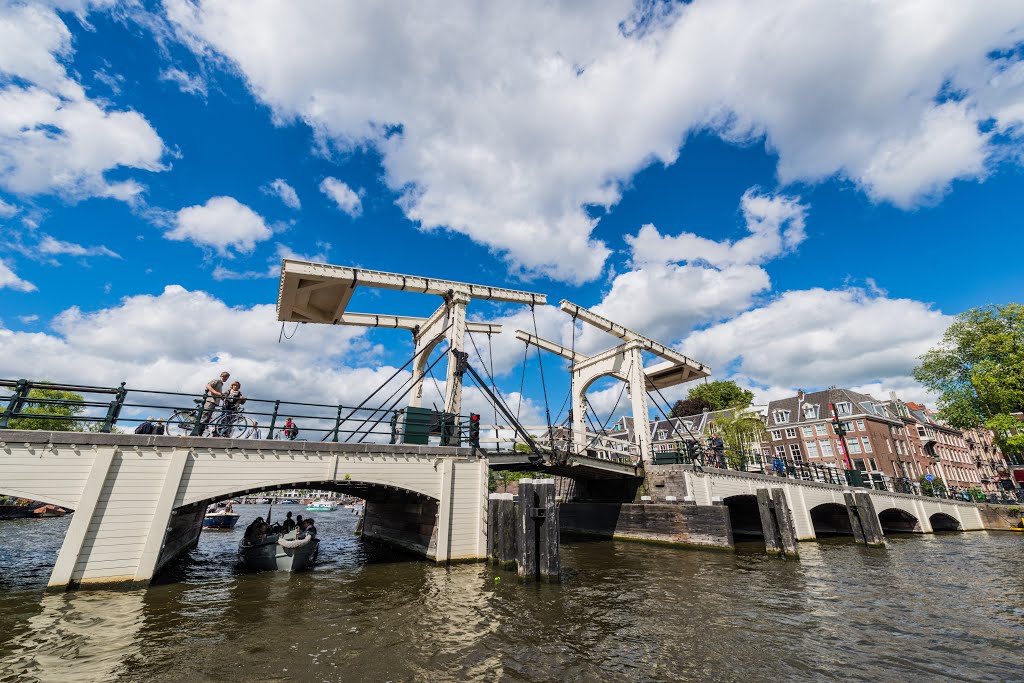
point(367, 490)
point(940, 521)
point(42, 497)
point(895, 520)
point(744, 516)
point(831, 519)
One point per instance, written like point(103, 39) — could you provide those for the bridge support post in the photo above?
point(74, 539)
point(501, 529)
point(158, 528)
point(537, 532)
point(777, 522)
point(863, 519)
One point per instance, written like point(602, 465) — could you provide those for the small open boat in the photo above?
point(284, 552)
point(220, 519)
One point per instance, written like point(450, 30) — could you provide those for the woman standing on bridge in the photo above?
point(233, 401)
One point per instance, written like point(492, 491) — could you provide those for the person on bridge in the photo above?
point(214, 391)
point(233, 401)
point(159, 428)
point(290, 430)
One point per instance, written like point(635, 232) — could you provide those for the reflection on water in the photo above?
point(929, 607)
point(87, 636)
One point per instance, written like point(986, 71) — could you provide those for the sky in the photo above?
point(799, 194)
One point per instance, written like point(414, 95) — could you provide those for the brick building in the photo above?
point(800, 429)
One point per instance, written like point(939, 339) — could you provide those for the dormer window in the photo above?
point(843, 408)
point(662, 435)
point(811, 411)
point(781, 417)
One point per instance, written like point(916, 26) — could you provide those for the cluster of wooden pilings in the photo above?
point(522, 532)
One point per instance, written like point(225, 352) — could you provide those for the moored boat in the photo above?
point(284, 552)
point(220, 519)
point(49, 511)
point(322, 506)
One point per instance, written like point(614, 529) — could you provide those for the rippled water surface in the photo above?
point(937, 607)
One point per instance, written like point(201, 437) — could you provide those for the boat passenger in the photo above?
point(289, 523)
point(309, 527)
point(250, 531)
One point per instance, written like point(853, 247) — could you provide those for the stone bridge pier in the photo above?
point(139, 500)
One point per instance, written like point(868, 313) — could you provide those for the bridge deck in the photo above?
point(578, 466)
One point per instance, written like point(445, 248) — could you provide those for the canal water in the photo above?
point(936, 607)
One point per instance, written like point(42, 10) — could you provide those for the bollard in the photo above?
point(501, 529)
point(537, 534)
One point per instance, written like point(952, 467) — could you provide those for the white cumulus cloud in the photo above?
point(53, 138)
point(285, 192)
point(511, 123)
point(347, 199)
point(10, 280)
point(222, 223)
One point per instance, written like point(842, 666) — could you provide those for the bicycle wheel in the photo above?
point(181, 423)
point(230, 426)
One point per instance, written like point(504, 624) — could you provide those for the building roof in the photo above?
point(861, 405)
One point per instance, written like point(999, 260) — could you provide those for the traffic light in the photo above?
point(474, 430)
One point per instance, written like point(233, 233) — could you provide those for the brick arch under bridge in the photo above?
point(139, 499)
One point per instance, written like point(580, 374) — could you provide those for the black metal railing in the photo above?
point(47, 405)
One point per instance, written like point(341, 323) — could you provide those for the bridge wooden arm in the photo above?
point(551, 346)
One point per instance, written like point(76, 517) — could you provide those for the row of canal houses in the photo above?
point(885, 439)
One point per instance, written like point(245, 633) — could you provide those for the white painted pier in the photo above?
point(139, 500)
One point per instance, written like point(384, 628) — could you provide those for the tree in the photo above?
point(1009, 433)
point(689, 406)
point(722, 394)
point(741, 433)
point(64, 414)
point(930, 488)
point(978, 367)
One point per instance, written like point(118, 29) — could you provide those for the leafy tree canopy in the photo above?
point(64, 415)
point(978, 367)
point(722, 394)
point(689, 406)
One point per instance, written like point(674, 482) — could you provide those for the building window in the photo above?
point(867, 444)
point(781, 417)
point(810, 411)
point(662, 435)
point(780, 451)
point(791, 433)
point(889, 444)
point(844, 408)
point(821, 428)
point(848, 427)
point(794, 450)
point(812, 448)
point(808, 431)
point(853, 445)
point(858, 464)
point(860, 425)
point(873, 465)
point(776, 434)
point(826, 447)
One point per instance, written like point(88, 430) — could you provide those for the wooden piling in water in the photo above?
point(501, 529)
point(777, 522)
point(863, 519)
point(537, 533)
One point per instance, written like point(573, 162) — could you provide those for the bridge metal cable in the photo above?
point(604, 425)
point(543, 384)
point(386, 382)
point(490, 372)
point(675, 428)
point(392, 406)
point(522, 380)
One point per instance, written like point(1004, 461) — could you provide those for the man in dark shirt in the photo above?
point(309, 527)
point(289, 523)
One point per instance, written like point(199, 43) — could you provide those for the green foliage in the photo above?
point(64, 413)
point(741, 433)
point(978, 367)
point(976, 494)
point(722, 394)
point(689, 406)
point(929, 488)
point(506, 477)
point(1009, 433)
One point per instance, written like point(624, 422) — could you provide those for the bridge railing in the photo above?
point(702, 456)
point(503, 438)
point(53, 406)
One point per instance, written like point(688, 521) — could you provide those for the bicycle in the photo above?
point(230, 424)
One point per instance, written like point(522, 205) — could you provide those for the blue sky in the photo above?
point(871, 157)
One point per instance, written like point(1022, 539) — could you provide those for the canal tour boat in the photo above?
point(322, 506)
point(221, 518)
point(284, 553)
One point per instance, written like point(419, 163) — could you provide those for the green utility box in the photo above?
point(419, 424)
point(416, 425)
point(855, 477)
